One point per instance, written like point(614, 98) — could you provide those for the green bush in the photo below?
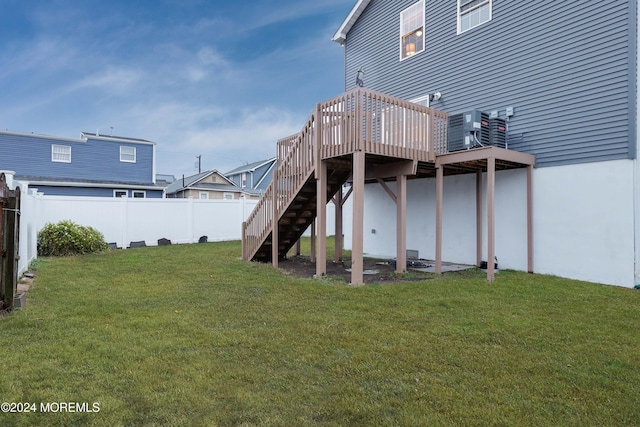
point(68, 238)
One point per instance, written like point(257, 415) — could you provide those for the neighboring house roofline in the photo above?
point(251, 167)
point(341, 35)
point(188, 182)
point(90, 185)
point(264, 175)
point(83, 137)
point(86, 135)
point(38, 135)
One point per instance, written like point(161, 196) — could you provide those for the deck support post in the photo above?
point(337, 201)
point(439, 188)
point(274, 222)
point(478, 218)
point(321, 219)
point(530, 218)
point(491, 247)
point(312, 254)
point(357, 250)
point(401, 224)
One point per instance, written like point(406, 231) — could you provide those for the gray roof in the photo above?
point(47, 180)
point(192, 182)
point(250, 167)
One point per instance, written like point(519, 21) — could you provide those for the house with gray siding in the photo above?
point(93, 165)
point(255, 176)
point(470, 131)
point(563, 77)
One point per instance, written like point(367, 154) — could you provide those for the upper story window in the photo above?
point(127, 154)
point(472, 13)
point(60, 153)
point(412, 30)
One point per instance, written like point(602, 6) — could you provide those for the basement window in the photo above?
point(412, 30)
point(472, 13)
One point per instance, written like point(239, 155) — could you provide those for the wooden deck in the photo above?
point(360, 136)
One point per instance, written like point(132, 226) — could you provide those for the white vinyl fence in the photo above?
point(126, 220)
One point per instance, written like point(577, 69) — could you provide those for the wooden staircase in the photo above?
point(361, 120)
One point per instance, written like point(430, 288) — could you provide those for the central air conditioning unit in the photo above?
point(468, 130)
point(498, 132)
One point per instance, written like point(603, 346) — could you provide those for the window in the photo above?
point(227, 196)
point(204, 195)
point(412, 30)
point(120, 193)
point(472, 13)
point(139, 194)
point(244, 179)
point(60, 153)
point(127, 154)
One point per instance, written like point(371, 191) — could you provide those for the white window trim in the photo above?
point(459, 15)
point(227, 196)
point(144, 194)
point(126, 160)
point(126, 193)
point(403, 33)
point(203, 195)
point(60, 149)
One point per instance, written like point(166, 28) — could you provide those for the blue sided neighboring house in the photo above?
point(254, 176)
point(94, 165)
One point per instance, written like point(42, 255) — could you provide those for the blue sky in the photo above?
point(221, 79)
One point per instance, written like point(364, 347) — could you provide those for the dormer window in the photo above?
point(412, 30)
point(127, 154)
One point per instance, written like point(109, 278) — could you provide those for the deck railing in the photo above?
point(362, 120)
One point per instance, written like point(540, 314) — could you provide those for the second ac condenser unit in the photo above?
point(498, 132)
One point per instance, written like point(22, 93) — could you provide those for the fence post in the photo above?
point(10, 242)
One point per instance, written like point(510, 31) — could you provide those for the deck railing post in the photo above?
point(274, 219)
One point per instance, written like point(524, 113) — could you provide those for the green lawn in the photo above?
point(191, 335)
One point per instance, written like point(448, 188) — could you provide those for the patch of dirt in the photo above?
point(376, 271)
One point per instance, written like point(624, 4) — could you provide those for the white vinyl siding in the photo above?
point(60, 153)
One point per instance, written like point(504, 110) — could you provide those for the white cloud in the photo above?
point(114, 80)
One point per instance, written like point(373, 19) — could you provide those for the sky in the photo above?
point(217, 78)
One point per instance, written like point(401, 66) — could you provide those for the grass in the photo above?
point(191, 335)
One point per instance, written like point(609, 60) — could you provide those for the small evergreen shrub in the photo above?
point(68, 238)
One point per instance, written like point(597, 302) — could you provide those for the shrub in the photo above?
point(68, 238)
